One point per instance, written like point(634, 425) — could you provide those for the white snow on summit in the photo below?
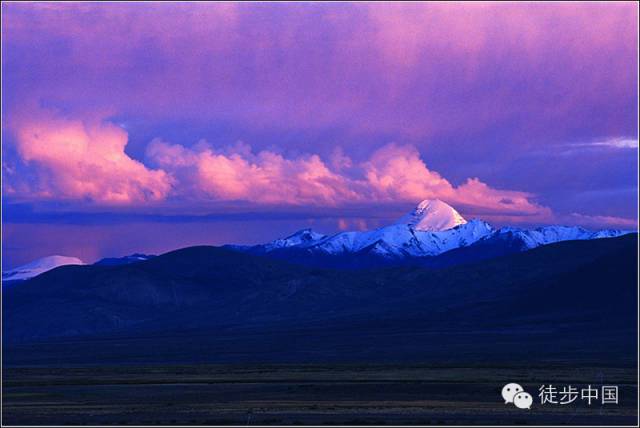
point(433, 227)
point(39, 266)
point(433, 215)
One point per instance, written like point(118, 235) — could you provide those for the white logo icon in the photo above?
point(523, 400)
point(509, 391)
point(514, 393)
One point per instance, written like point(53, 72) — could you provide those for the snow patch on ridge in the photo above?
point(38, 267)
point(300, 239)
point(550, 234)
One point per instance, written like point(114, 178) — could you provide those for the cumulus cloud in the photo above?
point(393, 173)
point(397, 172)
point(81, 159)
point(264, 178)
point(84, 160)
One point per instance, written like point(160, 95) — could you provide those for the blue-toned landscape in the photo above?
point(420, 213)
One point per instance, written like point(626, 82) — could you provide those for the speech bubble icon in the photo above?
point(523, 400)
point(509, 391)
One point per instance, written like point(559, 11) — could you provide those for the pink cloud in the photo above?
point(262, 178)
point(474, 193)
point(85, 160)
point(599, 220)
point(82, 159)
point(397, 172)
point(353, 224)
point(393, 173)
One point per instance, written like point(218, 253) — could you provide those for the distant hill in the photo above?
point(114, 261)
point(37, 267)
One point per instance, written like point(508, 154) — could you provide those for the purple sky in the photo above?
point(145, 127)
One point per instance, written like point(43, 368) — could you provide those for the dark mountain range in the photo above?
point(552, 297)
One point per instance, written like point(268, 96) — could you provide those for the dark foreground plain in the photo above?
point(306, 394)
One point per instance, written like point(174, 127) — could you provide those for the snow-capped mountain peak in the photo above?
point(39, 266)
point(301, 239)
point(431, 229)
point(432, 215)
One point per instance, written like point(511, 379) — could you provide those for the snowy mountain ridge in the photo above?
point(432, 228)
point(301, 239)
